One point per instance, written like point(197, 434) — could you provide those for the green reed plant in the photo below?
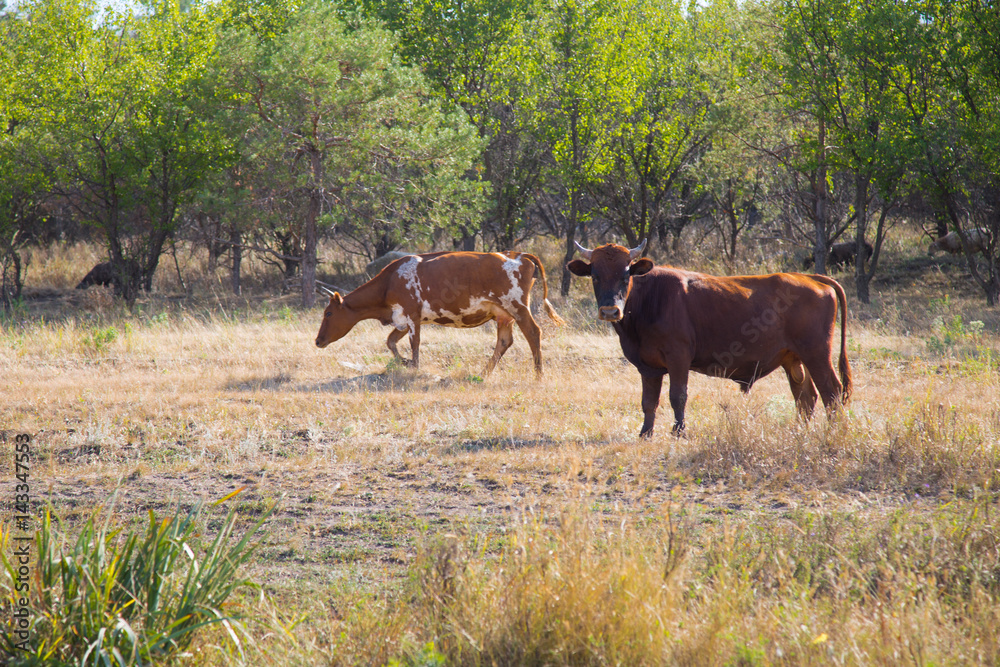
point(113, 596)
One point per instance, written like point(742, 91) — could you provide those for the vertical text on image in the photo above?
point(22, 540)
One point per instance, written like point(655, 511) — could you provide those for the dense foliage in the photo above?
point(270, 126)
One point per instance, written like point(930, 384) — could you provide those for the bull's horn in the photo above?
point(636, 252)
point(323, 289)
point(583, 251)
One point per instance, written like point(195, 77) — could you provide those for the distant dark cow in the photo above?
point(841, 255)
point(671, 322)
point(105, 274)
point(979, 241)
point(457, 289)
point(373, 267)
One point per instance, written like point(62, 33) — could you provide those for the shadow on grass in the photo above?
point(501, 443)
point(392, 379)
point(388, 381)
point(269, 383)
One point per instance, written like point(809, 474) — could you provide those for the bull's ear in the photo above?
point(579, 267)
point(640, 267)
point(336, 299)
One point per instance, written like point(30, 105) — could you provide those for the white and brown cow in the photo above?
point(456, 289)
point(978, 240)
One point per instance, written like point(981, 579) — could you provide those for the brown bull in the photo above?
point(456, 289)
point(671, 322)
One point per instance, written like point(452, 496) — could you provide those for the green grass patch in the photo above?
point(114, 596)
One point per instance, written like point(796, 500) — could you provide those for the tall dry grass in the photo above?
point(676, 586)
point(434, 515)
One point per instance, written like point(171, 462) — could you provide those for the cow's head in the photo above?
point(611, 269)
point(336, 321)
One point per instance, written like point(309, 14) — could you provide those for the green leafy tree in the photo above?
point(960, 51)
point(119, 104)
point(365, 149)
point(458, 45)
point(840, 63)
point(740, 170)
point(667, 99)
point(22, 182)
point(558, 90)
point(809, 76)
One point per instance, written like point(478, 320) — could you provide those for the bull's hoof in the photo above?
point(678, 430)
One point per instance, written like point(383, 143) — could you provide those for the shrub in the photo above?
point(100, 339)
point(117, 597)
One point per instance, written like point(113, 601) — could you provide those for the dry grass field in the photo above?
point(435, 517)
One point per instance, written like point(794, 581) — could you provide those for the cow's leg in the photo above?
point(678, 395)
point(415, 343)
point(505, 338)
point(801, 383)
point(651, 386)
point(394, 337)
point(825, 376)
point(526, 323)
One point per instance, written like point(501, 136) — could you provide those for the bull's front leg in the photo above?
point(651, 386)
point(678, 397)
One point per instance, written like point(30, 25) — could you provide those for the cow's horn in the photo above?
point(636, 252)
point(583, 251)
point(323, 289)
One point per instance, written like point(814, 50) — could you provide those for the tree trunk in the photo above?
point(310, 233)
point(861, 230)
point(383, 245)
point(567, 277)
point(941, 223)
point(821, 212)
point(992, 292)
point(309, 254)
point(211, 229)
point(154, 250)
point(235, 276)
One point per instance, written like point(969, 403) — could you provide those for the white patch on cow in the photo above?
point(515, 295)
point(400, 319)
point(477, 305)
point(408, 272)
point(428, 314)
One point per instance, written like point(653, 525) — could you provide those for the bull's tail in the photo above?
point(549, 310)
point(845, 366)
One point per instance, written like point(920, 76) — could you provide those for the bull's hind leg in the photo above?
point(825, 377)
point(505, 338)
point(801, 383)
point(526, 323)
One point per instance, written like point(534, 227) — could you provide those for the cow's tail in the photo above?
point(845, 366)
point(549, 310)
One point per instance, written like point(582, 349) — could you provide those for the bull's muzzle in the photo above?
point(609, 313)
